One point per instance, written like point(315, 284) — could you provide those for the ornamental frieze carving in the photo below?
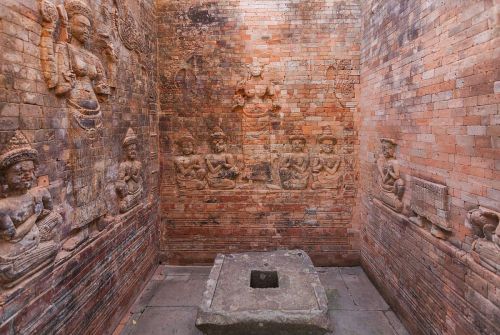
point(29, 237)
point(429, 203)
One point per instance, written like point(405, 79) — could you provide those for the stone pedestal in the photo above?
point(264, 293)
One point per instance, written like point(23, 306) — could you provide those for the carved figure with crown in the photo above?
point(390, 183)
point(29, 239)
point(68, 66)
point(294, 166)
point(325, 166)
point(190, 172)
point(129, 186)
point(486, 228)
point(222, 170)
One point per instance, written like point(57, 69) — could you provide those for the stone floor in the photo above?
point(167, 306)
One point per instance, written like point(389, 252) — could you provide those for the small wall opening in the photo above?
point(264, 279)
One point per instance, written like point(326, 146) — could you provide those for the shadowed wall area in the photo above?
point(139, 132)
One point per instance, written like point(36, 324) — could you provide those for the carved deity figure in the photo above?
point(222, 170)
point(68, 66)
point(486, 228)
point(294, 166)
point(29, 237)
point(190, 173)
point(255, 98)
point(129, 185)
point(78, 75)
point(325, 166)
point(391, 185)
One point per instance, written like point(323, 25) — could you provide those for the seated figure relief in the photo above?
point(29, 238)
point(294, 167)
point(190, 172)
point(222, 170)
point(325, 166)
point(486, 228)
point(129, 185)
point(390, 183)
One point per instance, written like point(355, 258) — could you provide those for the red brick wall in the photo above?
point(310, 50)
point(88, 290)
point(429, 81)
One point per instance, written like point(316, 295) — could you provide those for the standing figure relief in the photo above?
point(68, 66)
point(29, 239)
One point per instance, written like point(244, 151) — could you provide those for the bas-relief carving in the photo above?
point(222, 170)
point(68, 67)
point(390, 185)
point(28, 223)
point(486, 228)
point(429, 202)
point(128, 28)
point(129, 186)
point(189, 168)
point(78, 75)
point(255, 98)
point(325, 166)
point(294, 166)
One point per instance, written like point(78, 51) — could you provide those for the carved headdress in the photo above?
point(297, 135)
point(78, 7)
point(218, 133)
point(389, 141)
point(185, 136)
point(327, 135)
point(17, 150)
point(130, 138)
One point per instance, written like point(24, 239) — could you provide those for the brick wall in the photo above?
point(429, 81)
point(87, 289)
point(309, 51)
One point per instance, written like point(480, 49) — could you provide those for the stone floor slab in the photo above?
point(336, 289)
point(179, 291)
point(360, 323)
point(363, 292)
point(166, 321)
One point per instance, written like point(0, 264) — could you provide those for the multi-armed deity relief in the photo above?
point(256, 99)
point(391, 186)
point(189, 167)
point(129, 186)
point(29, 238)
point(294, 166)
point(78, 75)
point(222, 170)
point(325, 166)
point(486, 246)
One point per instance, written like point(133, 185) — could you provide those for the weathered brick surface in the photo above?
point(310, 53)
point(86, 290)
point(429, 72)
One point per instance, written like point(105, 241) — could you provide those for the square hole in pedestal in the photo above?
point(264, 279)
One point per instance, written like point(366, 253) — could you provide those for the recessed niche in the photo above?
point(264, 279)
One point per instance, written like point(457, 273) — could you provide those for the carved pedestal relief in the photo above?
point(390, 185)
point(294, 166)
point(486, 228)
point(29, 239)
point(429, 202)
point(325, 166)
point(221, 165)
point(255, 99)
point(189, 167)
point(78, 75)
point(129, 186)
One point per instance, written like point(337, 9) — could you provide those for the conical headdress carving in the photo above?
point(17, 150)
